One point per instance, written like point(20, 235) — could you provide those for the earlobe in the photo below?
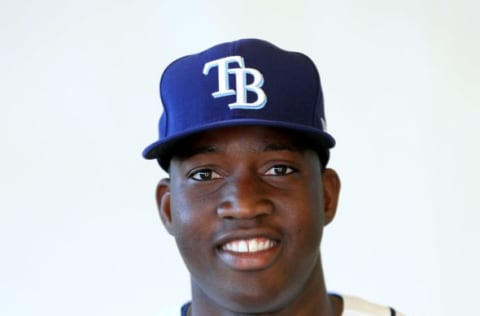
point(331, 192)
point(163, 204)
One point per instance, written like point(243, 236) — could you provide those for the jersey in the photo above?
point(352, 306)
point(355, 306)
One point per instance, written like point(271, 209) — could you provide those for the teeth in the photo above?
point(249, 246)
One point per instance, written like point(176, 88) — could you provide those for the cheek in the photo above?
point(306, 214)
point(315, 198)
point(192, 224)
point(188, 208)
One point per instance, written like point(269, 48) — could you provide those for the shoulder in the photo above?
point(356, 306)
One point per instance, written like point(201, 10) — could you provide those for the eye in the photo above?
point(280, 170)
point(204, 175)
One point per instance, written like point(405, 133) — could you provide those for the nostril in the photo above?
point(245, 209)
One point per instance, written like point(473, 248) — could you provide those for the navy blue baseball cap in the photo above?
point(241, 83)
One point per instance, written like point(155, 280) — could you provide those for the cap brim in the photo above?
point(164, 149)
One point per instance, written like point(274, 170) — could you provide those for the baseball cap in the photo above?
point(241, 83)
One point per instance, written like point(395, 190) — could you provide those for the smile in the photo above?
point(251, 245)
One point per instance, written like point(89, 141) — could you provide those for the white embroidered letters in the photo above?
point(241, 86)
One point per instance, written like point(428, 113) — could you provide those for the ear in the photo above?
point(163, 204)
point(331, 192)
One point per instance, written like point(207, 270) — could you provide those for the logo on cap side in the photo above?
point(241, 86)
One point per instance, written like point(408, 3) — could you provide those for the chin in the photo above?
point(255, 299)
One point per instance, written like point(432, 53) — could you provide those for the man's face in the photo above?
point(247, 208)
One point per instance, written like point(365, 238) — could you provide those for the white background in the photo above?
point(79, 232)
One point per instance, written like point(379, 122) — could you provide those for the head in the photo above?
point(243, 139)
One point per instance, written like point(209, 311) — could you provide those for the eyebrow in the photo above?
point(281, 146)
point(211, 149)
point(193, 151)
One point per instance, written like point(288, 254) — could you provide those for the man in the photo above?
point(243, 139)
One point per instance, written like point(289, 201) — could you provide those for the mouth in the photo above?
point(249, 254)
point(251, 245)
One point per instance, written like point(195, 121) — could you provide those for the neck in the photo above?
point(310, 299)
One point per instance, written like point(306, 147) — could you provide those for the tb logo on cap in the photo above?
point(241, 86)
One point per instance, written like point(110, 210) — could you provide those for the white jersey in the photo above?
point(352, 306)
point(355, 306)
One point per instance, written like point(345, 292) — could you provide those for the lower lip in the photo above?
point(249, 261)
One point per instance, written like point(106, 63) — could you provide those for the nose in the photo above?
point(244, 197)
